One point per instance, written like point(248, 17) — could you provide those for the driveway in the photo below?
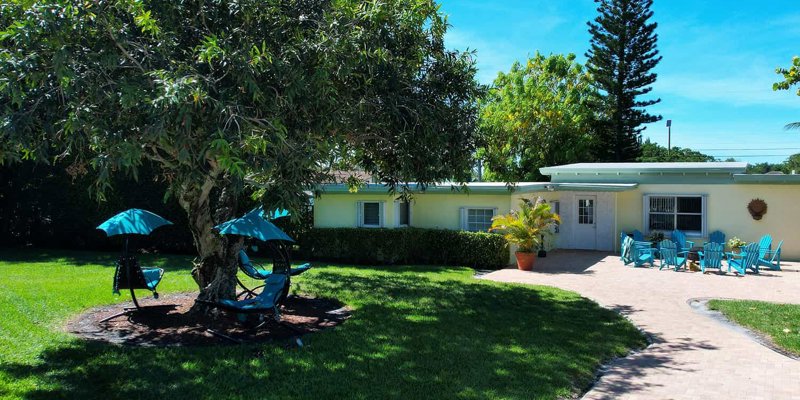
point(692, 356)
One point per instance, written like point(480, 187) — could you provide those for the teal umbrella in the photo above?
point(132, 222)
point(274, 214)
point(254, 225)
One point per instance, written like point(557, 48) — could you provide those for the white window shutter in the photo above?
point(462, 212)
point(382, 216)
point(359, 214)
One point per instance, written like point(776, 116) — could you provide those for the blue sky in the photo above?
point(715, 81)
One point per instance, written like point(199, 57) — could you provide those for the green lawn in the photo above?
point(781, 322)
point(416, 332)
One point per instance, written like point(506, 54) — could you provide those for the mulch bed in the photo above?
point(175, 326)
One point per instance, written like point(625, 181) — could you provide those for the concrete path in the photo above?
point(693, 356)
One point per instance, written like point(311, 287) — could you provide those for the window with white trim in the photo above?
point(402, 213)
point(477, 219)
point(666, 213)
point(370, 214)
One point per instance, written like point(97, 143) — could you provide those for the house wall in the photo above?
point(428, 210)
point(726, 206)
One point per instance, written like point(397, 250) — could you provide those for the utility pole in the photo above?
point(669, 136)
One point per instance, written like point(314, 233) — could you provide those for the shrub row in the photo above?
point(405, 246)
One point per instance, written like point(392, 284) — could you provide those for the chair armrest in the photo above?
point(691, 243)
point(684, 252)
point(700, 253)
point(733, 255)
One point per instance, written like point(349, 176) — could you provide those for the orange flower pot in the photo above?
point(525, 260)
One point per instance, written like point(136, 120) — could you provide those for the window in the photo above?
point(477, 219)
point(586, 211)
point(403, 213)
point(682, 212)
point(555, 207)
point(370, 214)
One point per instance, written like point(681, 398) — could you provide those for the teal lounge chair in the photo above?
point(267, 302)
point(130, 275)
point(638, 235)
point(770, 258)
point(622, 237)
point(249, 269)
point(748, 258)
point(717, 237)
point(679, 238)
point(711, 256)
point(671, 256)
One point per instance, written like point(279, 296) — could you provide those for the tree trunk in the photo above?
point(215, 268)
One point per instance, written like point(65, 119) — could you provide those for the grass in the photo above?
point(780, 322)
point(416, 332)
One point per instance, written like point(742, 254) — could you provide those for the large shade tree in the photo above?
point(536, 115)
point(232, 98)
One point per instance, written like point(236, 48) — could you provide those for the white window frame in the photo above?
point(464, 212)
point(555, 208)
point(397, 223)
point(360, 214)
point(704, 213)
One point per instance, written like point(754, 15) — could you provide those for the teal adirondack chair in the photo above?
point(638, 235)
point(770, 258)
point(764, 244)
point(671, 256)
point(625, 249)
point(748, 258)
point(642, 253)
point(711, 256)
point(717, 237)
point(636, 253)
point(679, 238)
point(622, 237)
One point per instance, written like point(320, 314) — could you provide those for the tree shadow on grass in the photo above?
point(412, 335)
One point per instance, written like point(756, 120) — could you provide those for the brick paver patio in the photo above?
point(692, 356)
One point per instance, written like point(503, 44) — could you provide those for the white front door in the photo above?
point(584, 232)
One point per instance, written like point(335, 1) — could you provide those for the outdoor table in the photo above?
point(693, 255)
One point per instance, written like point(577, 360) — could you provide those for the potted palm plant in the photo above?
point(526, 229)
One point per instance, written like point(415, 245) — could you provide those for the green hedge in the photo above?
point(405, 246)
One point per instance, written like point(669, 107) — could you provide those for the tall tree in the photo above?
point(791, 77)
point(538, 114)
point(232, 97)
point(621, 59)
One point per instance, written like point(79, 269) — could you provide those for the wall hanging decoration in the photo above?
point(757, 208)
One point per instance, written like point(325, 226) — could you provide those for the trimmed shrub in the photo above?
point(405, 246)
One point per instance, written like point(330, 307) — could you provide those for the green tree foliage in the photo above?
point(791, 77)
point(653, 152)
point(790, 164)
point(536, 115)
point(621, 59)
point(230, 97)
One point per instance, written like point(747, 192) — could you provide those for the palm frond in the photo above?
point(793, 125)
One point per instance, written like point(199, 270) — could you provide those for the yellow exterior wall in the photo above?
point(726, 206)
point(341, 211)
point(428, 210)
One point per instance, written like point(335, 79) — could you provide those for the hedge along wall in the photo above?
point(405, 246)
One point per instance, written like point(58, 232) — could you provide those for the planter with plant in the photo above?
point(526, 229)
point(736, 244)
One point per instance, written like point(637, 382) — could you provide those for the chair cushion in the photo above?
point(152, 276)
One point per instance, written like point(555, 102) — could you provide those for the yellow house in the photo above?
point(596, 202)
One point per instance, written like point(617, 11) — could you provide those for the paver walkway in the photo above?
point(693, 356)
